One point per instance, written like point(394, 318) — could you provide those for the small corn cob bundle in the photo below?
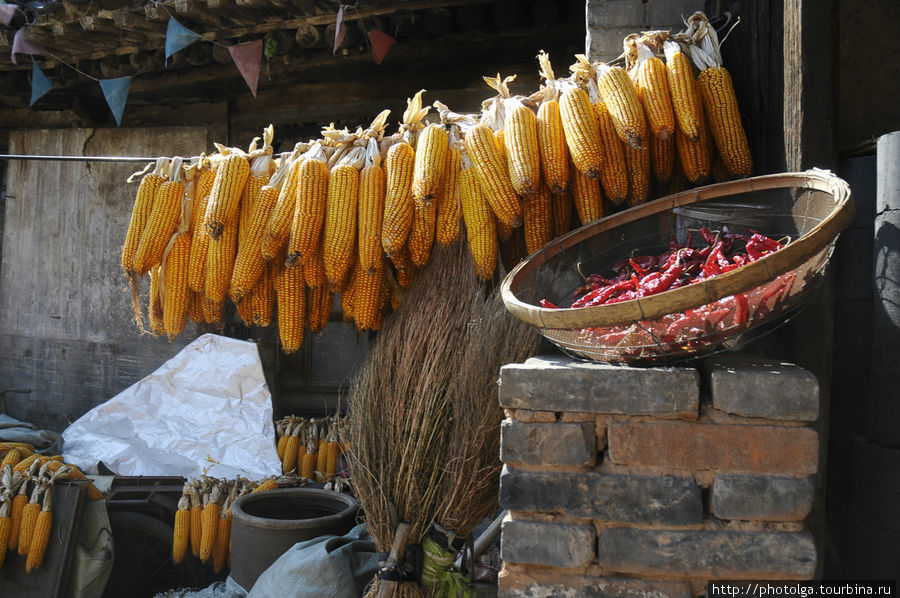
point(177, 292)
point(587, 197)
point(19, 501)
point(652, 86)
point(268, 484)
point(155, 305)
point(223, 532)
point(308, 468)
point(278, 229)
point(537, 214)
point(209, 523)
point(638, 162)
point(372, 188)
point(40, 536)
point(162, 223)
point(554, 153)
point(249, 263)
point(720, 104)
point(320, 302)
point(314, 271)
point(582, 130)
point(262, 298)
point(196, 526)
point(561, 207)
point(290, 292)
point(29, 518)
point(309, 211)
point(683, 90)
point(140, 212)
point(195, 306)
point(481, 225)
point(624, 107)
point(11, 458)
point(367, 297)
point(614, 174)
point(220, 263)
point(428, 166)
point(493, 175)
point(182, 532)
point(224, 197)
point(448, 216)
point(694, 155)
point(5, 526)
point(399, 170)
point(339, 240)
point(662, 157)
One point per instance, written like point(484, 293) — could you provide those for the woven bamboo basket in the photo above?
point(809, 209)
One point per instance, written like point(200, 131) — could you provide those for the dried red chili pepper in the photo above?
point(547, 305)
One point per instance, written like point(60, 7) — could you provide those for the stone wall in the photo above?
point(609, 21)
point(621, 481)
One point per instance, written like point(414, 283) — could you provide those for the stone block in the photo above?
point(719, 554)
point(612, 14)
point(688, 446)
point(550, 544)
point(761, 498)
point(605, 44)
point(522, 582)
point(555, 383)
point(665, 500)
point(670, 14)
point(752, 386)
point(548, 444)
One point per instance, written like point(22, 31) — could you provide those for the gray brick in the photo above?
point(605, 44)
point(669, 14)
point(548, 444)
point(761, 498)
point(609, 14)
point(712, 554)
point(562, 384)
point(666, 500)
point(751, 386)
point(551, 544)
point(551, 583)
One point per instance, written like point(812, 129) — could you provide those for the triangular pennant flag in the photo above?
point(116, 93)
point(340, 30)
point(381, 43)
point(7, 11)
point(23, 46)
point(247, 58)
point(178, 37)
point(40, 84)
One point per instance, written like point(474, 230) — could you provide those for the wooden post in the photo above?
point(398, 548)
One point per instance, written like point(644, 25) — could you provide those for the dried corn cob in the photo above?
point(309, 211)
point(683, 89)
point(290, 292)
point(140, 212)
point(162, 223)
point(154, 307)
point(320, 302)
point(522, 153)
point(614, 173)
point(16, 511)
point(5, 526)
point(209, 523)
point(551, 138)
point(182, 531)
point(481, 225)
point(224, 197)
point(582, 131)
point(40, 537)
point(398, 202)
point(662, 157)
point(339, 239)
point(428, 166)
point(220, 263)
point(638, 162)
point(314, 271)
point(493, 175)
point(196, 527)
point(587, 197)
point(372, 187)
point(223, 531)
point(279, 226)
point(177, 292)
point(652, 86)
point(448, 215)
point(624, 106)
point(29, 519)
point(262, 300)
point(538, 216)
point(561, 205)
point(368, 297)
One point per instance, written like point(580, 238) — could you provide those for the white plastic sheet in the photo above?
point(206, 410)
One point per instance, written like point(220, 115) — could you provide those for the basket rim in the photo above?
point(695, 295)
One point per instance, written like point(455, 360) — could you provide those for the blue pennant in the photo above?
point(116, 93)
point(40, 84)
point(178, 37)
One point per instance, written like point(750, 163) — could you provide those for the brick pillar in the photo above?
point(622, 481)
point(609, 21)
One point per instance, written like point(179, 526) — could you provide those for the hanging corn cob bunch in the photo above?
point(554, 153)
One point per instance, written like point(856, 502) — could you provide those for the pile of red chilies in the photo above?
point(683, 264)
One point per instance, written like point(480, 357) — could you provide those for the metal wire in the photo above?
point(76, 158)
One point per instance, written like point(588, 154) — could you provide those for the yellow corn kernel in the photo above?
point(220, 263)
point(367, 297)
point(40, 537)
point(279, 226)
point(421, 237)
point(552, 147)
point(537, 216)
point(431, 149)
point(195, 306)
point(493, 175)
point(614, 173)
point(154, 305)
point(561, 206)
point(225, 195)
point(683, 89)
point(309, 212)
point(163, 221)
point(522, 154)
point(587, 197)
point(662, 157)
point(262, 298)
point(448, 215)
point(249, 263)
point(209, 522)
point(314, 271)
point(339, 239)
point(250, 195)
point(481, 224)
point(638, 162)
point(371, 213)
point(140, 214)
point(652, 88)
point(320, 302)
point(582, 131)
point(724, 118)
point(398, 202)
point(29, 519)
point(177, 292)
point(290, 292)
point(623, 104)
point(15, 515)
point(182, 530)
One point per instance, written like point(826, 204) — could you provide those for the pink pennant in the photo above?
point(381, 43)
point(247, 58)
point(340, 30)
point(7, 12)
point(23, 46)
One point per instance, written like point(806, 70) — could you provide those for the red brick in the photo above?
point(697, 447)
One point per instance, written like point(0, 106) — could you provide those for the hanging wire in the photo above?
point(76, 158)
